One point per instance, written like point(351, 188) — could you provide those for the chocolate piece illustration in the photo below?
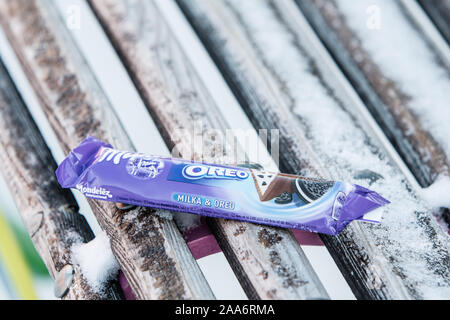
point(271, 185)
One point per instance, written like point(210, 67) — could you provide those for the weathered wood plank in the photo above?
point(385, 98)
point(439, 12)
point(49, 212)
point(280, 84)
point(267, 261)
point(150, 250)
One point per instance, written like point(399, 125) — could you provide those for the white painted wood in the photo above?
point(336, 287)
point(221, 278)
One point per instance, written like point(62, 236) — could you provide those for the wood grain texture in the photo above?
point(268, 262)
point(384, 98)
point(367, 258)
point(150, 250)
point(439, 12)
point(50, 213)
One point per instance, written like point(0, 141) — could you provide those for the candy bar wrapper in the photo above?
point(101, 172)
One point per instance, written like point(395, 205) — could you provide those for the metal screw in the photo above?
point(63, 281)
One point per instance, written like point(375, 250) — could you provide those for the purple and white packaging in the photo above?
point(101, 172)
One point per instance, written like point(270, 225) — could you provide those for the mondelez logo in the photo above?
point(95, 192)
point(194, 172)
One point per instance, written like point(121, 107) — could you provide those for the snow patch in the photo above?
point(96, 261)
point(165, 214)
point(438, 194)
point(186, 221)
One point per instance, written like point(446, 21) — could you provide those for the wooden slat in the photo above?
point(439, 12)
point(150, 250)
point(267, 261)
point(49, 212)
point(373, 258)
point(384, 98)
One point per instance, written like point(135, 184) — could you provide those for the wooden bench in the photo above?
point(267, 84)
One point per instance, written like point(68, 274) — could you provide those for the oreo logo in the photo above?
point(194, 172)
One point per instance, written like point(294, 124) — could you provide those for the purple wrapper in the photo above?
point(101, 172)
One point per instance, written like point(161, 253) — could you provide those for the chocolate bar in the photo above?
point(241, 193)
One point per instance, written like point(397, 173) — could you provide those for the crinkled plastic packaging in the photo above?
point(101, 172)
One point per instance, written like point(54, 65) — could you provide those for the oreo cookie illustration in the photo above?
point(311, 190)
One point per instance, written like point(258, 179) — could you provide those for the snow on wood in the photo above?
point(403, 81)
point(259, 48)
point(150, 250)
point(97, 261)
point(438, 194)
point(405, 58)
point(178, 101)
point(187, 222)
